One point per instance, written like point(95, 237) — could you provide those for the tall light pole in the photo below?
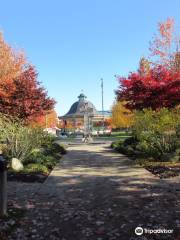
point(102, 98)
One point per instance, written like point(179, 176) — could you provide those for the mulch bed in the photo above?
point(164, 172)
point(26, 177)
point(10, 222)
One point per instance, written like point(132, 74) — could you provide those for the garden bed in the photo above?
point(39, 164)
point(164, 172)
point(162, 169)
point(27, 177)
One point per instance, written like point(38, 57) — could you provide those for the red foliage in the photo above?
point(105, 123)
point(158, 88)
point(27, 99)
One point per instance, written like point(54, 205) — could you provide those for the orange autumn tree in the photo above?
point(21, 94)
point(121, 116)
point(11, 64)
point(28, 99)
point(50, 119)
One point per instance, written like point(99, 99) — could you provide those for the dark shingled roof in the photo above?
point(77, 107)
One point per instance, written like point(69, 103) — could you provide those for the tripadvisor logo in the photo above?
point(139, 231)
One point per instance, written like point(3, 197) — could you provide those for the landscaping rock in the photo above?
point(17, 164)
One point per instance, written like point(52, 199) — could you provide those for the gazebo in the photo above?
point(76, 114)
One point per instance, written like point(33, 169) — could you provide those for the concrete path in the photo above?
point(95, 193)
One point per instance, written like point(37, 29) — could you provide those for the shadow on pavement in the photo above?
point(100, 195)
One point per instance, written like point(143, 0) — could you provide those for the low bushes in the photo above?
point(127, 147)
point(53, 148)
point(43, 159)
point(156, 135)
point(47, 155)
point(38, 157)
point(36, 149)
point(35, 168)
point(157, 132)
point(18, 140)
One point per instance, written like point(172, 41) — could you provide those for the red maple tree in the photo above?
point(27, 99)
point(159, 87)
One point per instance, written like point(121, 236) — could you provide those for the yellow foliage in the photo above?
point(50, 119)
point(121, 116)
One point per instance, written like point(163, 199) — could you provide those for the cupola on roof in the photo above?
point(76, 108)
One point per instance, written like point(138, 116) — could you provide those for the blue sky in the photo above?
point(74, 43)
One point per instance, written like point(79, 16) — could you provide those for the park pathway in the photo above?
point(97, 194)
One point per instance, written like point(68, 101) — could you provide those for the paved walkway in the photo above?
point(95, 193)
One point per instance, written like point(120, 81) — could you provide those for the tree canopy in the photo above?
point(160, 87)
point(21, 94)
point(121, 116)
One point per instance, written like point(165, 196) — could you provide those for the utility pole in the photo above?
point(102, 95)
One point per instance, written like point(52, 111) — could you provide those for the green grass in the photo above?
point(115, 136)
point(110, 138)
point(121, 133)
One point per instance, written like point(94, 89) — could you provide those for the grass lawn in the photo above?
point(121, 133)
point(115, 136)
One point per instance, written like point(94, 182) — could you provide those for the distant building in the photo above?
point(75, 116)
point(52, 130)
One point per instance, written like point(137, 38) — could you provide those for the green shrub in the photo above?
point(39, 157)
point(54, 149)
point(50, 162)
point(157, 132)
point(48, 155)
point(19, 139)
point(34, 147)
point(47, 139)
point(116, 143)
point(25, 143)
point(36, 156)
point(125, 147)
point(36, 168)
point(58, 148)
